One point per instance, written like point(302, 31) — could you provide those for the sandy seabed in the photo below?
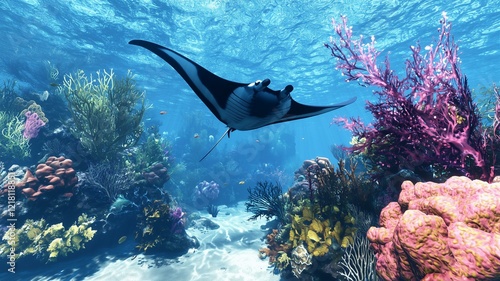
point(227, 253)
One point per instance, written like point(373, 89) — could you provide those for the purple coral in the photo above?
point(205, 192)
point(32, 125)
point(176, 216)
point(424, 119)
point(208, 189)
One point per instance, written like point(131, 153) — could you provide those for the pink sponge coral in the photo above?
point(447, 231)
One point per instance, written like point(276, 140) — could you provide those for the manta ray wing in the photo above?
point(299, 111)
point(213, 90)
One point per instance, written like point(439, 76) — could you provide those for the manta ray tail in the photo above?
point(228, 131)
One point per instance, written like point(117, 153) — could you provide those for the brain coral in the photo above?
point(440, 231)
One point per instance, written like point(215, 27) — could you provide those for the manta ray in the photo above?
point(241, 106)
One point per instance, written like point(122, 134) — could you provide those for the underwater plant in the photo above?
point(213, 210)
point(425, 120)
point(8, 96)
point(266, 200)
point(107, 112)
point(48, 243)
point(13, 144)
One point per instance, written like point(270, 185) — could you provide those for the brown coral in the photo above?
point(54, 177)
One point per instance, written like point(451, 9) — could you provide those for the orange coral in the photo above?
point(273, 247)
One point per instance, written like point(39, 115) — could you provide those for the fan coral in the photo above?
point(266, 200)
point(440, 231)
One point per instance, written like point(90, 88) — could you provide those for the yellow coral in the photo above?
point(346, 241)
point(307, 214)
point(320, 251)
point(316, 226)
point(337, 231)
point(313, 236)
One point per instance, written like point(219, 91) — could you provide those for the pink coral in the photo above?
point(440, 231)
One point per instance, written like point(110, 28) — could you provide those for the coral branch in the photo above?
point(427, 118)
point(266, 200)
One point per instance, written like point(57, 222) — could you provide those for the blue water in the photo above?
point(241, 41)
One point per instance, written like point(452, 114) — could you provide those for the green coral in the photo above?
point(48, 242)
point(13, 145)
point(107, 111)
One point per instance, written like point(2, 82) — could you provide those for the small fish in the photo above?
point(196, 136)
point(257, 141)
point(241, 182)
point(163, 112)
point(122, 239)
point(54, 85)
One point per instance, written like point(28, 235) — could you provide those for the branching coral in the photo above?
point(266, 200)
point(107, 112)
point(358, 261)
point(13, 144)
point(425, 119)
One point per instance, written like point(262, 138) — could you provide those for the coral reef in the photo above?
point(55, 177)
point(161, 228)
point(440, 231)
point(425, 120)
point(358, 261)
point(48, 243)
point(317, 224)
point(105, 112)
